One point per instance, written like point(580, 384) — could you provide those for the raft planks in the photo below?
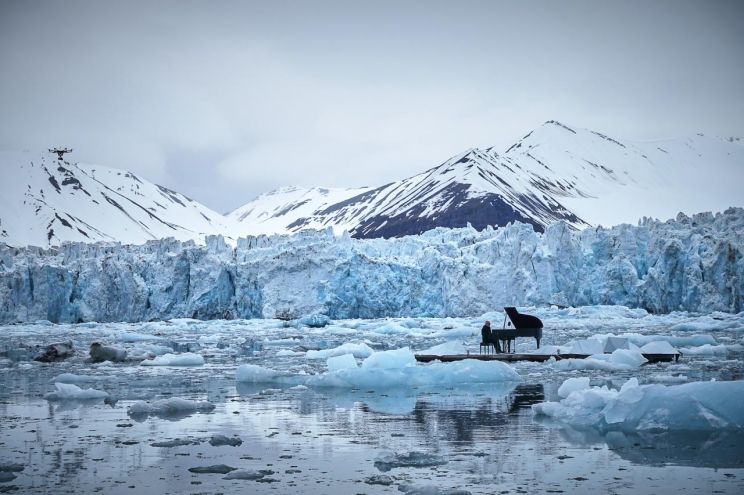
point(535, 358)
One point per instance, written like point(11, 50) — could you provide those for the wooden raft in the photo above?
point(535, 358)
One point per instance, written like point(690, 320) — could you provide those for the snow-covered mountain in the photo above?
point(556, 172)
point(276, 211)
point(44, 201)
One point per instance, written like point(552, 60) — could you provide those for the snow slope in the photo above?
point(44, 201)
point(555, 173)
point(277, 210)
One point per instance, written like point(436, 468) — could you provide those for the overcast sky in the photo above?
point(225, 100)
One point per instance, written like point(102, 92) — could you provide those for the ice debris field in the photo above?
point(322, 405)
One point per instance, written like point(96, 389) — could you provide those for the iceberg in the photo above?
point(697, 406)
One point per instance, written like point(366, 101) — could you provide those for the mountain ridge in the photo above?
point(554, 173)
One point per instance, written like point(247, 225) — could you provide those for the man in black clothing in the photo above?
point(488, 337)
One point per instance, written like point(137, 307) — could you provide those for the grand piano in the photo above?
point(519, 325)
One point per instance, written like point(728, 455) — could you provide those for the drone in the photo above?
point(60, 152)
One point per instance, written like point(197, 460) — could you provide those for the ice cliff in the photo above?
point(693, 264)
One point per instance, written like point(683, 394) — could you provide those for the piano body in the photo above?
point(519, 325)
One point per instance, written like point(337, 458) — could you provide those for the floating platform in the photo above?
point(535, 358)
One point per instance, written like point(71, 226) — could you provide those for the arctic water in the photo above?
point(281, 407)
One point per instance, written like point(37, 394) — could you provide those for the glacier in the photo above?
point(688, 264)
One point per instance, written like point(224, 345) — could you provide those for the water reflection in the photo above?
point(716, 449)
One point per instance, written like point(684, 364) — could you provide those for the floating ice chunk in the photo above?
point(248, 474)
point(337, 363)
point(669, 378)
point(253, 373)
point(209, 339)
point(68, 391)
point(72, 378)
point(550, 349)
point(705, 350)
point(288, 352)
point(175, 406)
point(359, 350)
point(409, 489)
point(388, 369)
point(178, 442)
point(571, 385)
point(154, 349)
point(620, 359)
point(587, 346)
point(214, 469)
point(698, 406)
point(450, 347)
point(390, 328)
point(218, 440)
point(131, 337)
point(389, 460)
point(314, 320)
point(412, 375)
point(632, 358)
point(379, 479)
point(613, 343)
point(186, 359)
point(658, 347)
point(394, 359)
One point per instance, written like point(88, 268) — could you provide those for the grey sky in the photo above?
point(225, 100)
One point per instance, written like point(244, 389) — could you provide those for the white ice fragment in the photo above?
point(72, 378)
point(632, 358)
point(68, 391)
point(130, 337)
point(394, 359)
point(185, 359)
point(288, 352)
point(169, 407)
point(587, 346)
point(573, 384)
point(450, 347)
point(697, 406)
point(658, 347)
point(705, 350)
point(345, 361)
point(253, 373)
point(359, 350)
point(391, 369)
point(612, 343)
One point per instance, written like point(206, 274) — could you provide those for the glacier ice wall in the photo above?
point(692, 264)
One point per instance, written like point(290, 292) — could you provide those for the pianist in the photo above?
point(487, 336)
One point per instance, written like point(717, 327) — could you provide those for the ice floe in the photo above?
point(175, 406)
point(360, 350)
point(386, 369)
point(186, 359)
point(68, 391)
point(697, 406)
